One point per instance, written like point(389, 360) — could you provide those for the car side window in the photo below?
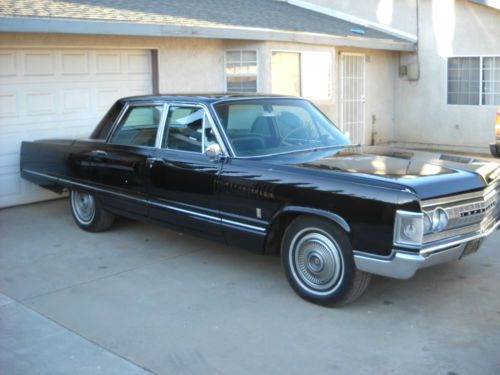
point(187, 129)
point(138, 126)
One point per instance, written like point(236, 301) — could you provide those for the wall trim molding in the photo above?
point(92, 27)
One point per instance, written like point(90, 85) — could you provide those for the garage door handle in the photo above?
point(100, 153)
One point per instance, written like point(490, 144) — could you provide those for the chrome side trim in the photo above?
point(184, 211)
point(248, 226)
point(215, 219)
point(40, 174)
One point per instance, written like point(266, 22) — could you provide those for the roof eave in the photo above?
point(92, 27)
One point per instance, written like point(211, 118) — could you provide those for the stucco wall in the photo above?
point(381, 75)
point(328, 106)
point(398, 14)
point(447, 28)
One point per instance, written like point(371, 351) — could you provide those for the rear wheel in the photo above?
point(318, 262)
point(88, 212)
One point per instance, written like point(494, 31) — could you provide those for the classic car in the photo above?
point(272, 174)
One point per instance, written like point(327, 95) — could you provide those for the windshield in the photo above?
point(259, 127)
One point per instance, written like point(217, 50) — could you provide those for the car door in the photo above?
point(120, 166)
point(183, 180)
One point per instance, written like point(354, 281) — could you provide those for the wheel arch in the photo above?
point(286, 215)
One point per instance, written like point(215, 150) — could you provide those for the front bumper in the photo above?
point(403, 264)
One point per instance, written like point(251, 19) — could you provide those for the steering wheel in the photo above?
point(289, 134)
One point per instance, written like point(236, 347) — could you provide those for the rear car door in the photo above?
point(183, 180)
point(120, 166)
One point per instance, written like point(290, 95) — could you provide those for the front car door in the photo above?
point(183, 180)
point(120, 165)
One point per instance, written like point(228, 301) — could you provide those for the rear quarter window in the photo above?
point(106, 124)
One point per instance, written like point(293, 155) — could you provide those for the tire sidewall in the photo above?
point(339, 290)
point(93, 224)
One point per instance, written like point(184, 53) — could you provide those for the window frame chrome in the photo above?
point(119, 118)
point(208, 115)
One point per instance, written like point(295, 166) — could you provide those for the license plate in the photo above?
point(471, 247)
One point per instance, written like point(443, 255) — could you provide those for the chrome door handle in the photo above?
point(101, 153)
point(152, 161)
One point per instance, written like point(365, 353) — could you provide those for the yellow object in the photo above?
point(497, 124)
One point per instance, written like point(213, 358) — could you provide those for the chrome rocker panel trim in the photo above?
point(403, 265)
point(216, 219)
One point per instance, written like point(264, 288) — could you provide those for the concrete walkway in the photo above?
point(143, 299)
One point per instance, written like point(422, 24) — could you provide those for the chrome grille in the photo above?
point(467, 213)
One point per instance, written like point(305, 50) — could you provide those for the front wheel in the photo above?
point(88, 212)
point(318, 262)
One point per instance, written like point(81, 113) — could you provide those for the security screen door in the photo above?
point(352, 96)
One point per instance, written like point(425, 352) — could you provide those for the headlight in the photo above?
point(435, 221)
point(409, 228)
point(439, 220)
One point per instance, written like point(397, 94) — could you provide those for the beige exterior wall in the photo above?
point(381, 74)
point(380, 79)
point(398, 14)
point(328, 106)
point(447, 28)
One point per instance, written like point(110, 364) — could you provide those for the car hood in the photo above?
point(427, 174)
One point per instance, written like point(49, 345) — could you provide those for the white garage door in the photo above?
point(58, 93)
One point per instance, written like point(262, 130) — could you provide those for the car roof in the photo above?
point(202, 97)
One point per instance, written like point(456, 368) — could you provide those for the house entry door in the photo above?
point(352, 96)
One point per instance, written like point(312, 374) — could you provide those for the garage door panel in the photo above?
point(48, 93)
point(8, 104)
point(139, 63)
point(106, 97)
point(7, 64)
point(76, 100)
point(108, 63)
point(135, 91)
point(40, 103)
point(38, 63)
point(74, 63)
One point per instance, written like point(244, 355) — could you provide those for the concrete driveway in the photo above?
point(143, 299)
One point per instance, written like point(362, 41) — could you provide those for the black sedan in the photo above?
point(273, 175)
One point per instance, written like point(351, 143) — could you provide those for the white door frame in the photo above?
point(360, 136)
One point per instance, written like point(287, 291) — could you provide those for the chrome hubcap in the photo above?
point(317, 260)
point(84, 206)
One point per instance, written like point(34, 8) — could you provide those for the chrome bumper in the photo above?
point(403, 265)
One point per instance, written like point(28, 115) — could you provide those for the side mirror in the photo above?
point(213, 152)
